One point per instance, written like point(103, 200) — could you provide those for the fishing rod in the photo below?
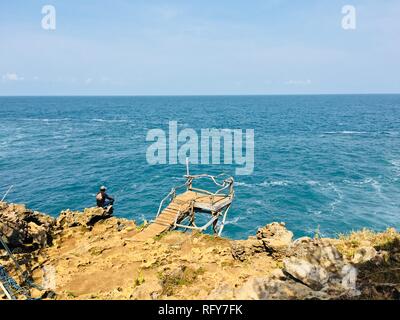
point(5, 195)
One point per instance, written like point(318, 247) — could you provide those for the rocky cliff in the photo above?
point(91, 255)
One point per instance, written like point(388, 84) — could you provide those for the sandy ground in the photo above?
point(105, 264)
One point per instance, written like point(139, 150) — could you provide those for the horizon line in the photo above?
point(196, 95)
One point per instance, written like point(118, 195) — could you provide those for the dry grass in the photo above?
point(183, 276)
point(349, 243)
point(379, 278)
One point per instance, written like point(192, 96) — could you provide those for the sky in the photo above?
point(193, 47)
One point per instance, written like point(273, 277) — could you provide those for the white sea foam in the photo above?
point(259, 202)
point(339, 197)
point(233, 221)
point(346, 132)
point(108, 120)
point(395, 163)
point(275, 183)
point(244, 184)
point(376, 185)
point(46, 119)
point(368, 180)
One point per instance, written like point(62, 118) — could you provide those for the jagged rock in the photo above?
point(310, 274)
point(38, 234)
point(317, 252)
point(87, 218)
point(349, 278)
point(22, 227)
point(275, 230)
point(151, 291)
point(381, 257)
point(243, 249)
point(319, 265)
point(278, 274)
point(276, 286)
point(275, 238)
point(364, 254)
point(265, 288)
point(222, 291)
point(396, 257)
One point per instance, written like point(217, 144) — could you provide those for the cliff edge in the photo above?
point(91, 255)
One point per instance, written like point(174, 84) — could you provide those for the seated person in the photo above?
point(103, 200)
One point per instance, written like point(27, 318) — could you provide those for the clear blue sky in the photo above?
point(199, 47)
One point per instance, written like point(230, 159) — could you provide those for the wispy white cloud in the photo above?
point(12, 76)
point(298, 82)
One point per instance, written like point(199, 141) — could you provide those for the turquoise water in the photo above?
point(329, 161)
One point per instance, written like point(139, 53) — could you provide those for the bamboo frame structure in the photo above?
point(216, 204)
point(179, 208)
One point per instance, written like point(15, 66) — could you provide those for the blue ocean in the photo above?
point(325, 162)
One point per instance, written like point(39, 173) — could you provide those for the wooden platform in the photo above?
point(178, 209)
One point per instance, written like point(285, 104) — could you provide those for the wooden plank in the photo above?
point(182, 204)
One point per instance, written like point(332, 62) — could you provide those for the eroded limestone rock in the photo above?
point(87, 218)
point(23, 228)
point(364, 254)
point(273, 239)
point(320, 266)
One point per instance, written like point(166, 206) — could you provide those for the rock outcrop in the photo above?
point(364, 254)
point(319, 265)
point(87, 219)
point(24, 228)
point(273, 239)
point(312, 268)
point(27, 229)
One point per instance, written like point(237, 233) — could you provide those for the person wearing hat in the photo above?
point(103, 200)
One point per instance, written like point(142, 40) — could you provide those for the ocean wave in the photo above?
point(350, 132)
point(395, 163)
point(338, 200)
point(335, 189)
point(244, 184)
point(233, 221)
point(346, 132)
point(259, 202)
point(108, 120)
point(46, 119)
point(366, 181)
point(276, 183)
